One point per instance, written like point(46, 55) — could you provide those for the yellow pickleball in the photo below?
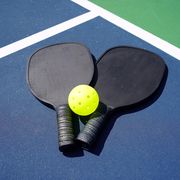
point(83, 100)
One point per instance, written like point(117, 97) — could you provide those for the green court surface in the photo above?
point(160, 17)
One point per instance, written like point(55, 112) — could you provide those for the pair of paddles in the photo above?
point(125, 76)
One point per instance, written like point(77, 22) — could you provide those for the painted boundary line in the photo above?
point(47, 33)
point(131, 28)
point(94, 12)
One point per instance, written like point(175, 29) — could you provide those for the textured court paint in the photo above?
point(140, 145)
point(158, 17)
point(47, 33)
point(23, 18)
point(131, 28)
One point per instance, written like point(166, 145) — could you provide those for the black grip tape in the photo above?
point(65, 127)
point(92, 128)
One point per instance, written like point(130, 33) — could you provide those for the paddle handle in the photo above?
point(92, 128)
point(65, 127)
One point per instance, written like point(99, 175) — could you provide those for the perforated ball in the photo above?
point(83, 100)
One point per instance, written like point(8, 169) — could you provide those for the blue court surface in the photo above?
point(139, 145)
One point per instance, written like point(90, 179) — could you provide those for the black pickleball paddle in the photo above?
point(52, 72)
point(126, 76)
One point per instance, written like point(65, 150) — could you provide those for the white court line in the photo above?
point(131, 28)
point(47, 33)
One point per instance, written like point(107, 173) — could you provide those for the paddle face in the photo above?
point(127, 76)
point(53, 71)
